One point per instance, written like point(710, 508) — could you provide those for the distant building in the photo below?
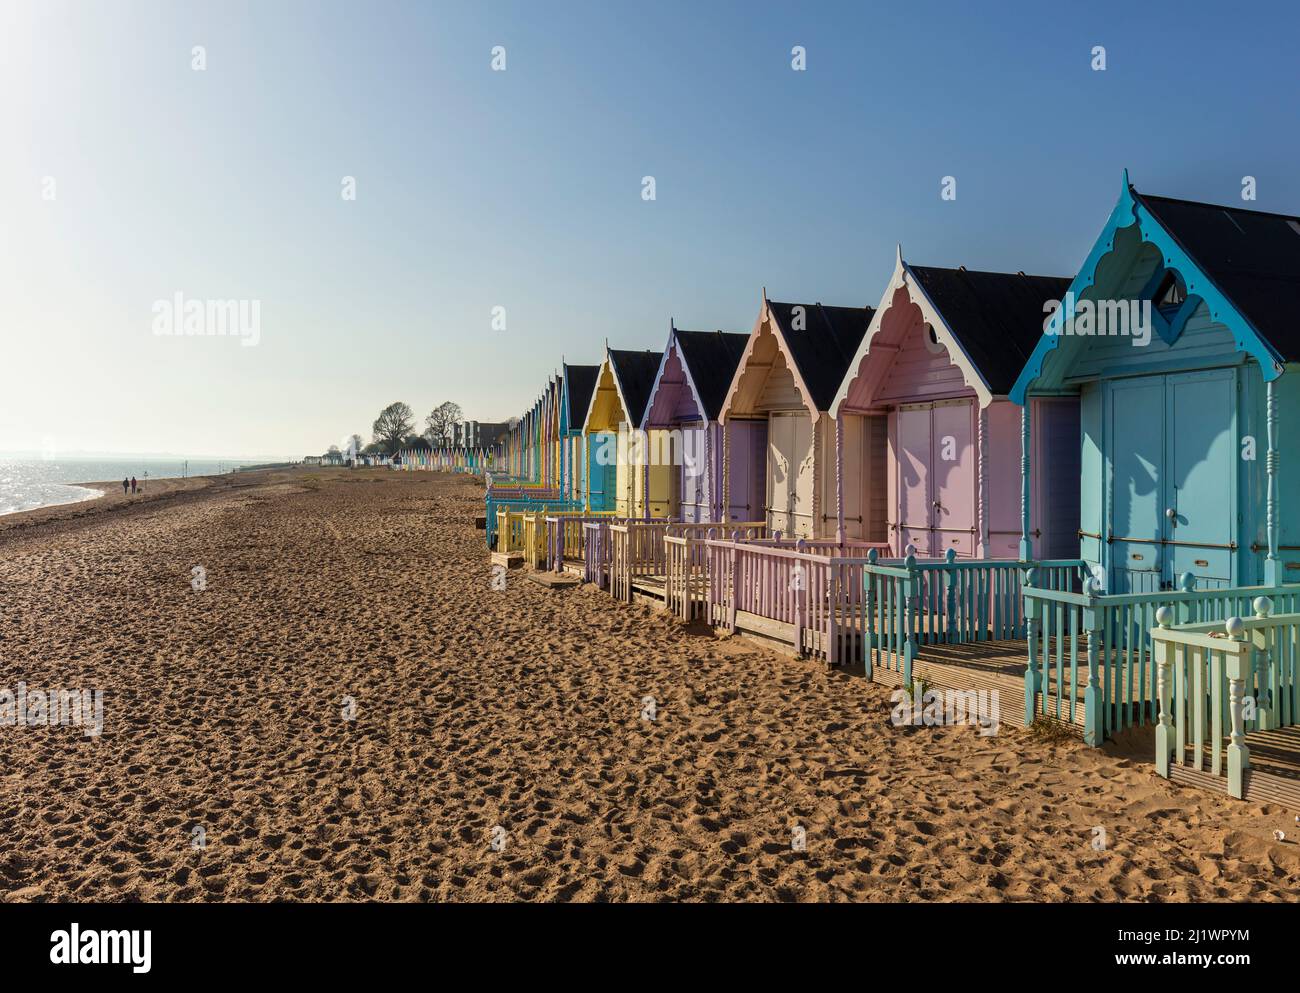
point(479, 434)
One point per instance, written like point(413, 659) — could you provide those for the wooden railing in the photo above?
point(565, 537)
point(1113, 631)
point(912, 602)
point(1216, 682)
point(535, 500)
point(638, 550)
point(595, 553)
point(861, 607)
point(509, 530)
point(686, 574)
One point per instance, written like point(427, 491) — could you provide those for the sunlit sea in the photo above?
point(26, 484)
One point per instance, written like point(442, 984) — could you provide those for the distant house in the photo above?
point(479, 434)
point(312, 460)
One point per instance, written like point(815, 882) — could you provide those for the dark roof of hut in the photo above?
point(825, 346)
point(1251, 256)
point(997, 317)
point(582, 381)
point(712, 357)
point(636, 373)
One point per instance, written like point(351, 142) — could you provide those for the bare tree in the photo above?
point(440, 426)
point(392, 425)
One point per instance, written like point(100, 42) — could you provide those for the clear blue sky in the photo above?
point(522, 188)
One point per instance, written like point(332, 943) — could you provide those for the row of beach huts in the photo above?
point(1078, 492)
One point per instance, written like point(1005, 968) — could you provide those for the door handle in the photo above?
point(1172, 514)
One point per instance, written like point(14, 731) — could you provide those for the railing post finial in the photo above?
point(1263, 606)
point(1187, 582)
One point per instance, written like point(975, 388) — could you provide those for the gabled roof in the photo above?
point(823, 344)
point(710, 359)
point(580, 380)
point(634, 373)
point(1244, 265)
point(996, 317)
point(1253, 257)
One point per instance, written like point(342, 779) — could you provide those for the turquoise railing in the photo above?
point(1105, 639)
point(911, 602)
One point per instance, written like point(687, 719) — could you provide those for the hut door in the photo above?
point(1137, 470)
point(780, 443)
point(693, 473)
point(801, 478)
point(748, 468)
point(952, 474)
point(1200, 490)
point(601, 471)
point(1173, 480)
point(790, 473)
point(915, 519)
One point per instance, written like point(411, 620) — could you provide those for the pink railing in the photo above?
point(853, 607)
point(686, 574)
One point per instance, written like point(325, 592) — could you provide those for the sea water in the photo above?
point(26, 484)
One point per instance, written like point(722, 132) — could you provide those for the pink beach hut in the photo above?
point(686, 401)
point(778, 432)
point(929, 444)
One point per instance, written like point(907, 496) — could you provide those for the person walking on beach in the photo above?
point(132, 484)
point(126, 485)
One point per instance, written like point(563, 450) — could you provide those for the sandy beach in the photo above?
point(349, 712)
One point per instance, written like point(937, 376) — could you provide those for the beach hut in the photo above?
point(1178, 343)
point(778, 433)
point(685, 403)
point(928, 442)
point(577, 383)
point(617, 473)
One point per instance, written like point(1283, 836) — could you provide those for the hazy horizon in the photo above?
point(142, 170)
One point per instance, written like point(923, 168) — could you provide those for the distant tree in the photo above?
point(392, 425)
point(440, 425)
point(374, 448)
point(332, 450)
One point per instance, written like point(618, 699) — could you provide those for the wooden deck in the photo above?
point(1273, 776)
point(649, 589)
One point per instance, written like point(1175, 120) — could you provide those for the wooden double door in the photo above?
point(935, 478)
point(1172, 480)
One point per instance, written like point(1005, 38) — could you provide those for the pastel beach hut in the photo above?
point(1178, 342)
point(618, 402)
point(685, 404)
point(778, 432)
point(577, 382)
point(928, 443)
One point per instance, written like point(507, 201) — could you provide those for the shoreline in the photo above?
point(91, 492)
